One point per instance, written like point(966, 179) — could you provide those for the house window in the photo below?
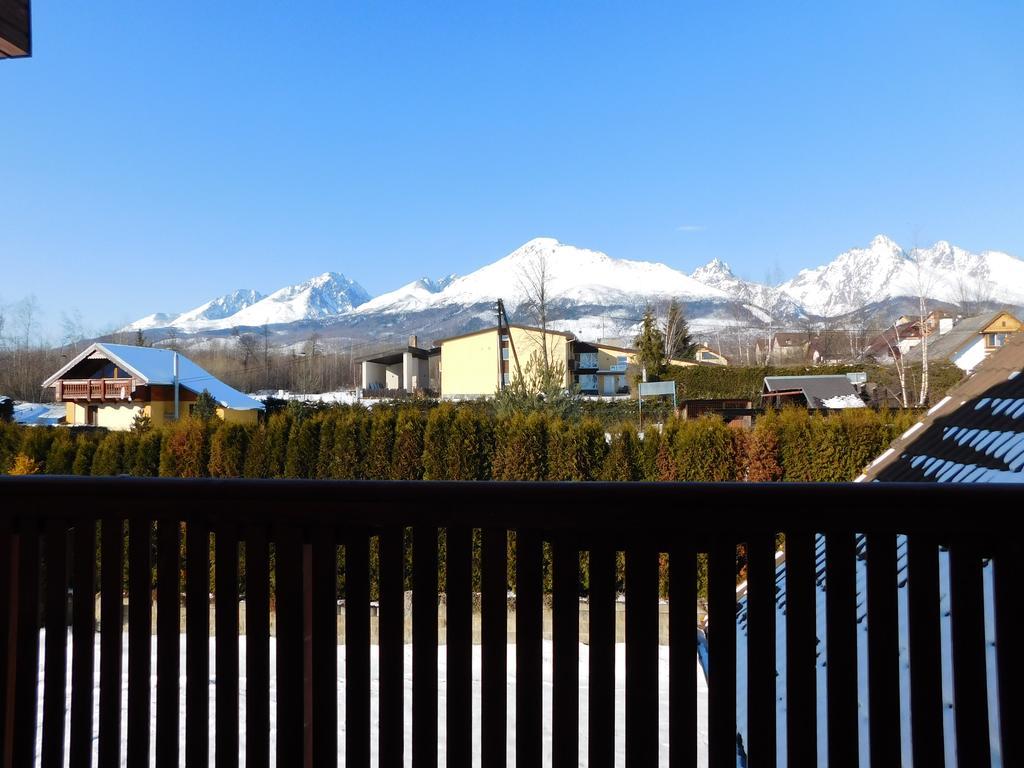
point(995, 339)
point(504, 353)
point(504, 379)
point(588, 360)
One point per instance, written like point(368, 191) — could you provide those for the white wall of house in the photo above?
point(117, 416)
point(970, 356)
point(416, 372)
point(374, 375)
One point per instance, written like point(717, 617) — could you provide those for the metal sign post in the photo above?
point(655, 388)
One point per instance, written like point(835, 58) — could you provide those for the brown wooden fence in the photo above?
point(49, 529)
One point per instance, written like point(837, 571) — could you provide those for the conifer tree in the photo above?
point(83, 456)
point(469, 447)
point(435, 442)
point(279, 427)
point(348, 448)
point(227, 450)
point(326, 453)
point(303, 450)
point(651, 448)
point(35, 443)
point(625, 456)
point(257, 460)
point(591, 449)
point(61, 456)
point(407, 460)
point(561, 451)
point(107, 459)
point(205, 407)
point(146, 462)
point(650, 346)
point(381, 445)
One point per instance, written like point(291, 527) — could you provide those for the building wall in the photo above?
point(469, 365)
point(117, 417)
point(245, 418)
point(969, 357)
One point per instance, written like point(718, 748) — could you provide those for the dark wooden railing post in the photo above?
point(325, 646)
point(601, 704)
point(168, 643)
point(290, 663)
point(761, 668)
point(197, 644)
point(565, 654)
point(682, 668)
point(801, 649)
point(424, 647)
point(722, 654)
point(883, 651)
point(925, 651)
point(111, 628)
point(357, 649)
point(140, 617)
point(529, 647)
point(494, 645)
point(84, 643)
point(55, 683)
point(257, 648)
point(226, 645)
point(459, 691)
point(8, 637)
point(841, 647)
point(391, 636)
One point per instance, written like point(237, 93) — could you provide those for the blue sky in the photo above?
point(160, 154)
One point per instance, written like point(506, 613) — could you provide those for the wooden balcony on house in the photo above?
point(95, 389)
point(294, 532)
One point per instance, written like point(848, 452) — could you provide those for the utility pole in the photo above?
point(503, 323)
point(176, 399)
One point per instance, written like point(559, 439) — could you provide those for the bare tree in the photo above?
point(535, 285)
point(923, 283)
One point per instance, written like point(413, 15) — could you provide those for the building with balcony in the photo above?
point(108, 385)
point(401, 372)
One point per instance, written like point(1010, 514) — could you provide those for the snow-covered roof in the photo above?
point(828, 391)
point(38, 414)
point(156, 366)
point(974, 435)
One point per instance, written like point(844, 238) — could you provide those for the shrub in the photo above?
point(25, 465)
point(651, 449)
point(10, 439)
point(146, 462)
point(591, 449)
point(109, 456)
point(625, 459)
point(377, 464)
point(435, 442)
point(279, 427)
point(61, 457)
point(470, 441)
point(35, 443)
point(326, 451)
point(82, 464)
point(303, 450)
point(256, 458)
point(185, 450)
point(519, 447)
point(407, 459)
point(348, 447)
point(703, 450)
point(228, 446)
point(763, 450)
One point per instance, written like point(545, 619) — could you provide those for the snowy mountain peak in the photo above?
point(713, 272)
point(884, 242)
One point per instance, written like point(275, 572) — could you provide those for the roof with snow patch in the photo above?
point(156, 366)
point(974, 435)
point(830, 391)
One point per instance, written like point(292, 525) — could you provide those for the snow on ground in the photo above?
point(862, 659)
point(620, 668)
point(342, 396)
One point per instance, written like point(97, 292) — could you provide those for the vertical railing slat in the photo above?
point(8, 637)
point(682, 668)
point(27, 682)
point(55, 683)
point(111, 628)
point(83, 644)
point(565, 653)
point(140, 617)
point(925, 658)
point(391, 638)
point(168, 640)
point(325, 646)
point(841, 647)
point(424, 647)
point(970, 691)
point(642, 656)
point(257, 648)
point(722, 654)
point(226, 645)
point(494, 645)
point(529, 647)
point(601, 703)
point(883, 651)
point(801, 649)
point(761, 669)
point(197, 644)
point(357, 649)
point(459, 691)
point(290, 661)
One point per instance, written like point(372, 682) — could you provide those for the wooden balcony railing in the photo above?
point(95, 389)
point(292, 532)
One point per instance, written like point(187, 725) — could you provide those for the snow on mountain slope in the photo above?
point(575, 275)
point(323, 296)
point(762, 300)
point(884, 270)
point(217, 309)
point(411, 297)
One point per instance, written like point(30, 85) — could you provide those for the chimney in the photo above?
point(412, 341)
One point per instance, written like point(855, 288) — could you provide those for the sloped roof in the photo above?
point(156, 366)
point(974, 435)
point(830, 391)
point(944, 347)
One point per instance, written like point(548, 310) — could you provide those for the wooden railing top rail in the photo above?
point(706, 510)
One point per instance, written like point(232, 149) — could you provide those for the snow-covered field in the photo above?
point(620, 666)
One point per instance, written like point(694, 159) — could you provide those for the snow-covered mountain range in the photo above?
point(595, 295)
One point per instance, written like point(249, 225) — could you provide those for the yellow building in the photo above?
point(476, 364)
point(108, 385)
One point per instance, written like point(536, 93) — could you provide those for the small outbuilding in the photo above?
point(831, 392)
